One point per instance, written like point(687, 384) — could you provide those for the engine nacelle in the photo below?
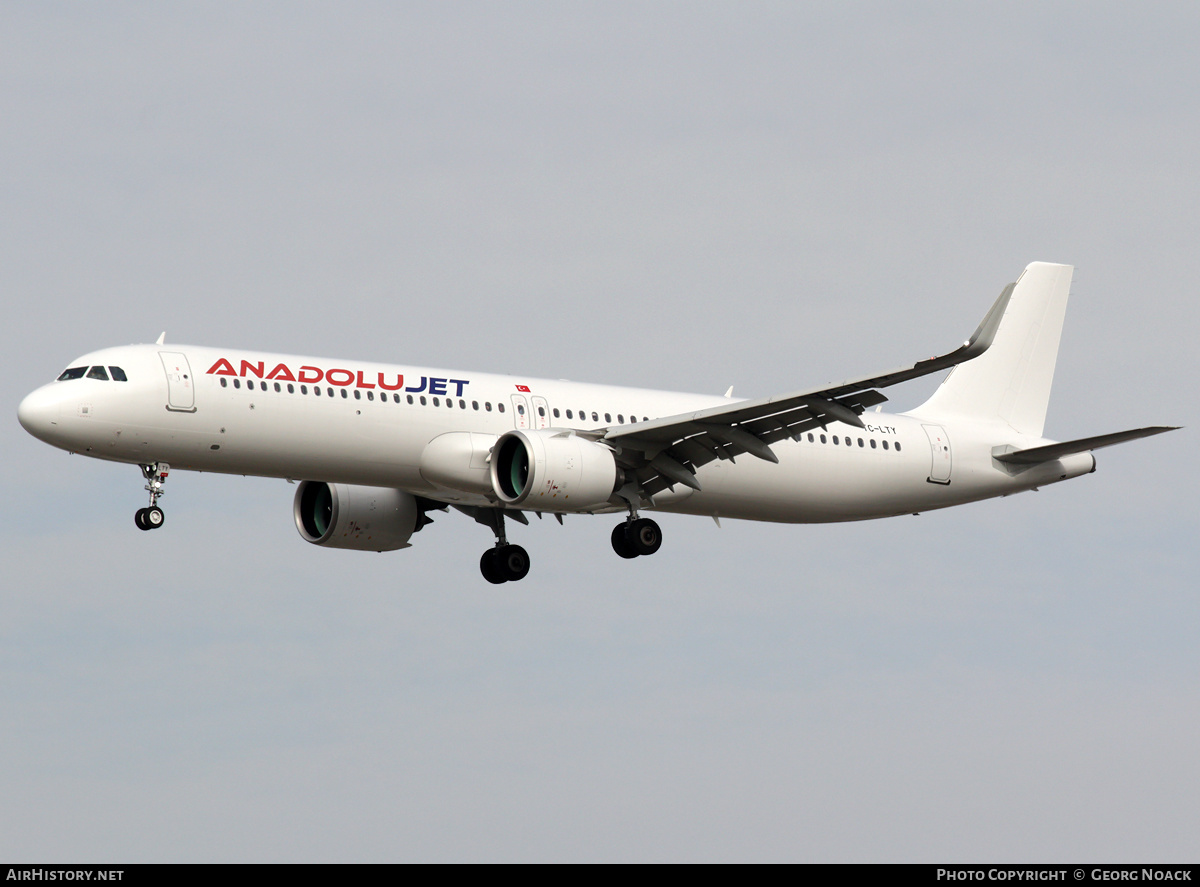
point(458, 460)
point(359, 518)
point(548, 470)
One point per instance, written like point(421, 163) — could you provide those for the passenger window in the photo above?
point(410, 400)
point(475, 405)
point(608, 417)
point(396, 398)
point(872, 443)
point(542, 412)
point(487, 406)
point(822, 438)
point(633, 419)
point(897, 446)
point(595, 417)
point(357, 394)
point(885, 444)
point(570, 415)
point(437, 402)
point(72, 373)
point(370, 395)
point(620, 419)
point(500, 407)
point(835, 439)
point(98, 373)
point(224, 382)
point(316, 391)
point(118, 374)
point(237, 383)
point(278, 390)
point(555, 411)
point(810, 437)
point(329, 392)
point(291, 389)
point(521, 409)
point(346, 396)
point(422, 400)
point(860, 442)
point(462, 404)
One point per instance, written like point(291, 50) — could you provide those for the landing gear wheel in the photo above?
point(139, 518)
point(154, 517)
point(620, 541)
point(644, 536)
point(513, 561)
point(489, 566)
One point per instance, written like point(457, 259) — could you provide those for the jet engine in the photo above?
point(548, 470)
point(359, 518)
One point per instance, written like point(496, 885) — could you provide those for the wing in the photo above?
point(663, 452)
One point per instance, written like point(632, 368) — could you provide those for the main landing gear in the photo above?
point(505, 562)
point(637, 536)
point(156, 475)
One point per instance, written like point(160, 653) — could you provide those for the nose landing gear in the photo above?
point(156, 475)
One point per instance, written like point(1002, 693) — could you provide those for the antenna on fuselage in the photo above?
point(160, 338)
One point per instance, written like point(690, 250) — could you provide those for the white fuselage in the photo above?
point(237, 412)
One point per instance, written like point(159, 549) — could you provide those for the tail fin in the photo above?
point(1011, 380)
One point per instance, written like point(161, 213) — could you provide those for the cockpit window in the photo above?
point(98, 373)
point(72, 373)
point(118, 374)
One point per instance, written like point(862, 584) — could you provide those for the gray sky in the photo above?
point(678, 195)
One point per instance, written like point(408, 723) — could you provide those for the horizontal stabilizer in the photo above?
point(1050, 452)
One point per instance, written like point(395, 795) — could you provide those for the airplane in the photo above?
point(376, 448)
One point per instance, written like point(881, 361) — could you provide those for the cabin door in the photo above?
point(181, 392)
point(939, 446)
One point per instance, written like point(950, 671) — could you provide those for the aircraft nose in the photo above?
point(38, 413)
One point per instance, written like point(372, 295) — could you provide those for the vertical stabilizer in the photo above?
point(1011, 381)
